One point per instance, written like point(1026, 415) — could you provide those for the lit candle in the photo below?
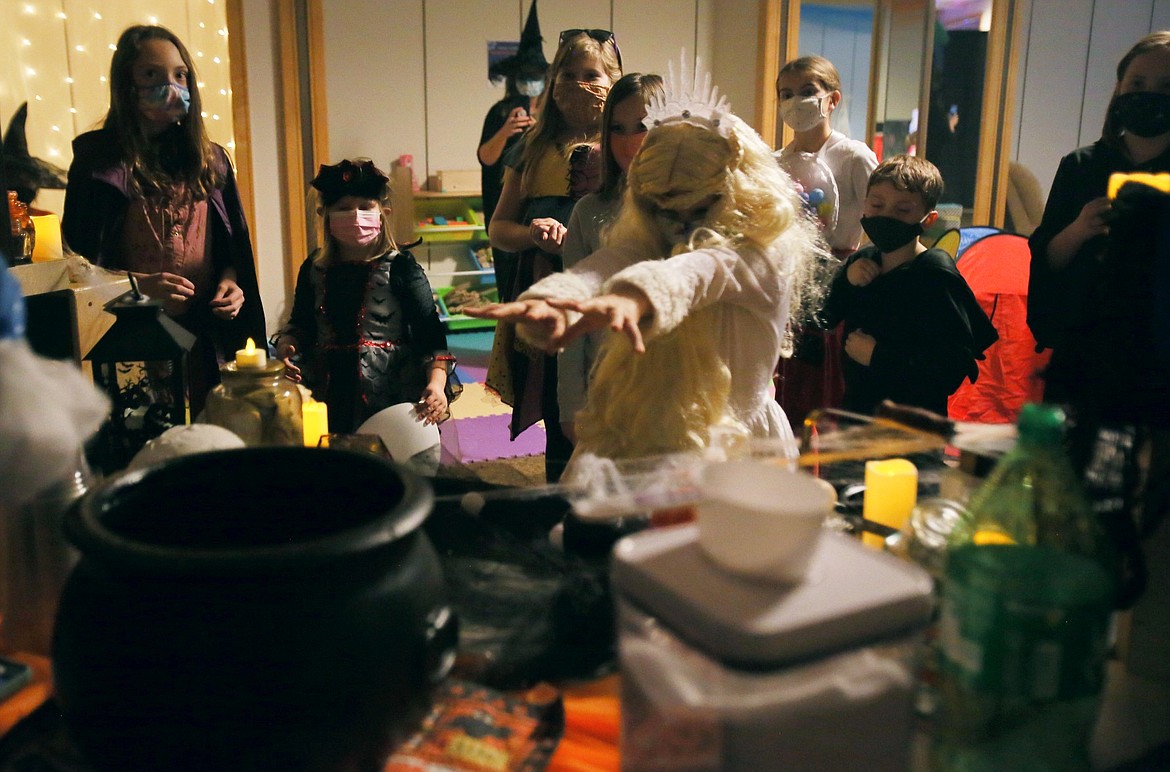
point(250, 357)
point(315, 418)
point(48, 243)
point(891, 490)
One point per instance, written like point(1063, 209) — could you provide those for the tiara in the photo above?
point(689, 99)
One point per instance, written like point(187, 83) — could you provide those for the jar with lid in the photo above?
point(24, 233)
point(257, 403)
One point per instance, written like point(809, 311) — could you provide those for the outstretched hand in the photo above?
point(546, 320)
point(620, 312)
point(545, 325)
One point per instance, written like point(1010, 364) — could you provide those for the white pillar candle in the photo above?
point(250, 357)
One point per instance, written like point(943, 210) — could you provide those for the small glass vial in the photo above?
point(257, 403)
point(24, 232)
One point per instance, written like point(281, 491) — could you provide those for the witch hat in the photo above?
point(25, 174)
point(529, 57)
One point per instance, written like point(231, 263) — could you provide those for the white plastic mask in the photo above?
point(802, 113)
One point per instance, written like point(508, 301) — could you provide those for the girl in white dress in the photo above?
point(699, 276)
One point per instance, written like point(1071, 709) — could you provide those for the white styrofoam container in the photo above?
point(725, 673)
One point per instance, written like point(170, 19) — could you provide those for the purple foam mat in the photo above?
point(486, 439)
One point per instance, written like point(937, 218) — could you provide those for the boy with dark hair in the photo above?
point(913, 328)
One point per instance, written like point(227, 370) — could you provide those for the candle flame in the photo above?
point(250, 346)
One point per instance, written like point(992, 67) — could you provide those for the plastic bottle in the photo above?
point(1024, 616)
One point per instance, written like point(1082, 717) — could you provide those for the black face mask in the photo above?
point(1142, 113)
point(887, 234)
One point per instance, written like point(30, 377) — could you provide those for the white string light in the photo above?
point(84, 39)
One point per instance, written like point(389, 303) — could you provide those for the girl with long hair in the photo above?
point(149, 193)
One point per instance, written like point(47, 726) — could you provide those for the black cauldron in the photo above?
point(263, 608)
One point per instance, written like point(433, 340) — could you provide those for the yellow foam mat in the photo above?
point(476, 401)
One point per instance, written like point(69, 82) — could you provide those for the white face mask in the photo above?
point(530, 88)
point(802, 113)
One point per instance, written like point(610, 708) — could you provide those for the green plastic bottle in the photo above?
point(1024, 615)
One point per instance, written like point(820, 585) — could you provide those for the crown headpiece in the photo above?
point(689, 98)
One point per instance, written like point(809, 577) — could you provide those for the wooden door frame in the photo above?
point(301, 111)
point(303, 117)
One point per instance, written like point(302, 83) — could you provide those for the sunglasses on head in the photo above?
point(602, 36)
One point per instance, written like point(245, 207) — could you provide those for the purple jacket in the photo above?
point(96, 199)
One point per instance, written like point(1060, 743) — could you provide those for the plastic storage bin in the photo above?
point(457, 321)
point(725, 673)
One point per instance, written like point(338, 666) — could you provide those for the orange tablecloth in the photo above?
point(592, 727)
point(31, 696)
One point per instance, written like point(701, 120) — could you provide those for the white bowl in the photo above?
point(760, 520)
point(402, 431)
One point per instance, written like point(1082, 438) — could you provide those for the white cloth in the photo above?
point(590, 215)
point(748, 289)
point(48, 410)
point(851, 162)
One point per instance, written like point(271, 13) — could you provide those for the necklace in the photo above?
point(174, 210)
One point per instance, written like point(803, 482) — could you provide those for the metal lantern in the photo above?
point(141, 364)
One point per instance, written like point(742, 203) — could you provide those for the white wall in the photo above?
point(420, 86)
point(1068, 70)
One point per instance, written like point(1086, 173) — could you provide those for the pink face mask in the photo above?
point(355, 227)
point(624, 147)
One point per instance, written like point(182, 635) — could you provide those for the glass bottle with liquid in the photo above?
point(1024, 614)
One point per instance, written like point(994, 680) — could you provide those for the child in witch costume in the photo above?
point(523, 74)
point(363, 320)
point(699, 275)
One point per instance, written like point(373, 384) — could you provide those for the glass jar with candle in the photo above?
point(256, 401)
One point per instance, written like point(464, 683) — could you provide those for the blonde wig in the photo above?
point(691, 383)
point(669, 398)
point(682, 165)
